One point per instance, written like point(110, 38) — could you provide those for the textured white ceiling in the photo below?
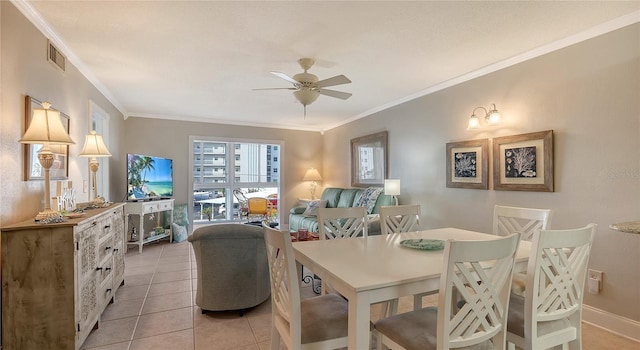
point(200, 60)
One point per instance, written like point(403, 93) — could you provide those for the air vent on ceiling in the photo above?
point(55, 56)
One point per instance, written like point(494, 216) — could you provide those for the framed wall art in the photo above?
point(468, 164)
point(523, 162)
point(369, 160)
point(32, 169)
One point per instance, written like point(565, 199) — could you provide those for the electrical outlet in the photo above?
point(85, 186)
point(594, 281)
point(595, 274)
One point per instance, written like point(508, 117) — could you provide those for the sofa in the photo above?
point(232, 267)
point(336, 197)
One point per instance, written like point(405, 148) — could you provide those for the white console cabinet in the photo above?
point(57, 279)
point(142, 210)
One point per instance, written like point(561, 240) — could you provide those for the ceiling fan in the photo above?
point(306, 86)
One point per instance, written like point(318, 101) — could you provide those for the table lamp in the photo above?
point(94, 147)
point(392, 188)
point(312, 175)
point(46, 128)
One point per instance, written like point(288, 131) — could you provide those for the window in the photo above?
point(249, 166)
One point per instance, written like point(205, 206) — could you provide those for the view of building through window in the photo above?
point(231, 172)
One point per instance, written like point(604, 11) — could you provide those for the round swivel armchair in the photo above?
point(233, 272)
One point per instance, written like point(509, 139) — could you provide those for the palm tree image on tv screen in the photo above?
point(149, 177)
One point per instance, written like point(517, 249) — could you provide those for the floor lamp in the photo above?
point(46, 128)
point(94, 147)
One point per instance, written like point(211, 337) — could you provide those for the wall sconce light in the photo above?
point(312, 175)
point(492, 117)
point(392, 188)
point(46, 128)
point(94, 147)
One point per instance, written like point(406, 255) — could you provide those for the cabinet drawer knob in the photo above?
point(98, 268)
point(107, 269)
point(107, 226)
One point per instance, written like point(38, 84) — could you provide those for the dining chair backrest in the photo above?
point(478, 273)
point(315, 323)
point(342, 222)
point(550, 313)
point(399, 218)
point(484, 292)
point(285, 291)
point(527, 221)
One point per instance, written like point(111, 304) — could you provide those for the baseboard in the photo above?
point(619, 325)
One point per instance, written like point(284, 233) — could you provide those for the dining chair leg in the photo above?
point(275, 339)
point(379, 345)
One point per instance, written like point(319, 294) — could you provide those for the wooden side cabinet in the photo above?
point(57, 279)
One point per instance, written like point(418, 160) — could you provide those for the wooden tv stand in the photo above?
point(144, 208)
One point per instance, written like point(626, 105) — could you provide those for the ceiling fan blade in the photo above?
point(286, 77)
point(334, 93)
point(337, 80)
point(290, 88)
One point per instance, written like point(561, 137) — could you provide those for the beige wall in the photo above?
point(588, 94)
point(170, 139)
point(26, 71)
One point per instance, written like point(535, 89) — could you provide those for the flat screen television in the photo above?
point(149, 177)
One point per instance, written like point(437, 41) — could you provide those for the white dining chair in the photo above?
point(550, 313)
point(527, 221)
point(399, 218)
point(481, 272)
point(338, 223)
point(316, 323)
point(342, 222)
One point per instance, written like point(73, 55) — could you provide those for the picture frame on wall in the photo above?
point(468, 164)
point(32, 168)
point(369, 160)
point(523, 162)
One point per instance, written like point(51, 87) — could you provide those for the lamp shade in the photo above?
point(312, 174)
point(94, 146)
point(493, 117)
point(392, 187)
point(474, 122)
point(46, 127)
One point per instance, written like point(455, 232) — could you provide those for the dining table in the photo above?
point(367, 270)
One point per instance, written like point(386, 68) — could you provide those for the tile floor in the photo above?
point(155, 309)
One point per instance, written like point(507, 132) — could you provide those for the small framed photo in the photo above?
point(32, 168)
point(468, 164)
point(523, 162)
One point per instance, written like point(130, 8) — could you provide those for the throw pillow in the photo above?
point(313, 206)
point(179, 233)
point(369, 198)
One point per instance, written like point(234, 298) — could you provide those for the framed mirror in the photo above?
point(369, 160)
point(32, 169)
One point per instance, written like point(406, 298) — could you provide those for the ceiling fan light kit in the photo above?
point(307, 87)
